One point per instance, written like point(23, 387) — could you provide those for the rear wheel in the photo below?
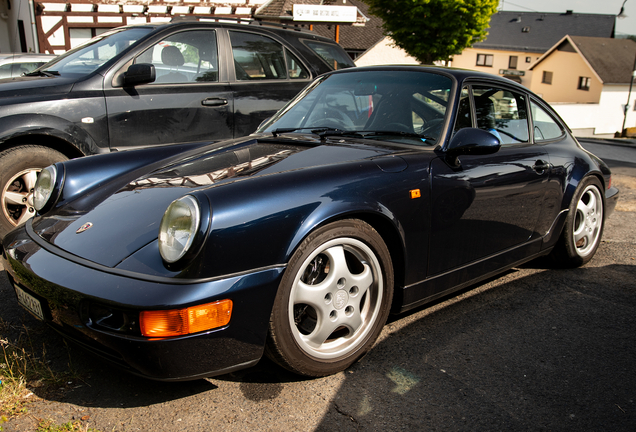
point(584, 225)
point(333, 300)
point(19, 169)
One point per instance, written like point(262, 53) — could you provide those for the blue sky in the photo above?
point(626, 26)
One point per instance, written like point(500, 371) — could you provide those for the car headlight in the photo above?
point(44, 187)
point(179, 225)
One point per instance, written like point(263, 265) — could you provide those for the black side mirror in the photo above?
point(140, 73)
point(471, 141)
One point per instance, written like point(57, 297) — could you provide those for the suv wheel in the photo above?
point(19, 168)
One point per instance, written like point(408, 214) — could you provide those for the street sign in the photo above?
point(321, 13)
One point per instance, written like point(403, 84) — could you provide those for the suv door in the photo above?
point(266, 75)
point(190, 99)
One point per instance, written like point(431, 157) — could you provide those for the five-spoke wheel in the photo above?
point(583, 227)
point(588, 221)
point(333, 300)
point(19, 168)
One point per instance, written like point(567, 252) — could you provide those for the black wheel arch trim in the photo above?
point(72, 140)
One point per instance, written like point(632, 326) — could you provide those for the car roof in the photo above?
point(460, 75)
point(25, 57)
point(240, 24)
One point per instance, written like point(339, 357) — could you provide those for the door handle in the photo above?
point(541, 166)
point(214, 102)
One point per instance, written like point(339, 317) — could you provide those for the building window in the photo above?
point(484, 60)
point(584, 83)
point(547, 77)
point(79, 36)
point(528, 59)
point(512, 62)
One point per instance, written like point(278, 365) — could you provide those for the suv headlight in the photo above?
point(44, 187)
point(179, 225)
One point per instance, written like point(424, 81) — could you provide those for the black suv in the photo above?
point(146, 85)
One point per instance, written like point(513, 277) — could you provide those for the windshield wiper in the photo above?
point(365, 134)
point(43, 73)
point(314, 129)
point(324, 132)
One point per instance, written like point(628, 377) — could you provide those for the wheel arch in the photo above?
point(575, 180)
point(388, 228)
point(54, 142)
point(62, 135)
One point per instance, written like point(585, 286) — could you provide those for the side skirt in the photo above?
point(444, 284)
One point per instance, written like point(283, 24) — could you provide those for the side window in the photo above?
point(295, 68)
point(189, 56)
point(333, 55)
point(545, 127)
point(502, 113)
point(5, 71)
point(464, 115)
point(257, 57)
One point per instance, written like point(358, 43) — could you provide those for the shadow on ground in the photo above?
point(549, 350)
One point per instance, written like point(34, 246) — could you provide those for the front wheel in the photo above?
point(583, 227)
point(19, 169)
point(333, 300)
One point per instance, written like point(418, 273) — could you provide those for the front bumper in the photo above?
point(70, 293)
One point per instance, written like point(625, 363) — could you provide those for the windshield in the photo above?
point(397, 105)
point(87, 57)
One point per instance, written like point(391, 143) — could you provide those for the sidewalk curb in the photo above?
point(619, 142)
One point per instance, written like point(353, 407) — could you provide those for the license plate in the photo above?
point(29, 302)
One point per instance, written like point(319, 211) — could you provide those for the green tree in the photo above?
point(432, 30)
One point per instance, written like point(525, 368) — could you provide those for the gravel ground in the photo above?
point(534, 349)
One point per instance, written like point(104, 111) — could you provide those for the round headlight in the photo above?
point(44, 187)
point(178, 227)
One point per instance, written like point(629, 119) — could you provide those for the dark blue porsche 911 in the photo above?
point(375, 190)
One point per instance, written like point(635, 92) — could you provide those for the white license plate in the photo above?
point(29, 302)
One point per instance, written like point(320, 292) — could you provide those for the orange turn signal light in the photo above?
point(178, 322)
point(415, 193)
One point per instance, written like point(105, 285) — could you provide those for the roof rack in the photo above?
point(237, 20)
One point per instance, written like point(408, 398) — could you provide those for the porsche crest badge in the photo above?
point(84, 227)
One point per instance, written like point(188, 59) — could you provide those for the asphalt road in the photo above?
point(620, 155)
point(534, 349)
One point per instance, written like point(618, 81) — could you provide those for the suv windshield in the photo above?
point(399, 106)
point(87, 57)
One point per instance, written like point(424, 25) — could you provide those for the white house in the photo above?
point(384, 52)
point(587, 81)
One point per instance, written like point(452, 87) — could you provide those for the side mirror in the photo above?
point(140, 73)
point(471, 141)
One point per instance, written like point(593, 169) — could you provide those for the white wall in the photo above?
point(605, 117)
point(20, 10)
point(384, 52)
point(4, 28)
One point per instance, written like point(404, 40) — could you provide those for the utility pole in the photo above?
point(629, 94)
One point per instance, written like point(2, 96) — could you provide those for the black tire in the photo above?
point(584, 225)
point(18, 169)
point(333, 300)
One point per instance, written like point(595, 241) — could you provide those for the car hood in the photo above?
point(34, 86)
point(128, 219)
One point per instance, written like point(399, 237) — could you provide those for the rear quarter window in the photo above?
point(333, 55)
point(545, 127)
